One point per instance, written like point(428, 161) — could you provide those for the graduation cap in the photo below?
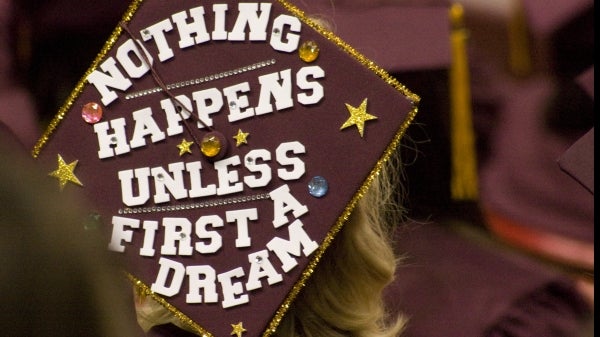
point(528, 36)
point(443, 174)
point(224, 146)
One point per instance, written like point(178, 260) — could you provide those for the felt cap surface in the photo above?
point(224, 145)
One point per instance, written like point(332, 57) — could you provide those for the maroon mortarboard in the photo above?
point(224, 145)
point(444, 171)
point(559, 30)
point(578, 160)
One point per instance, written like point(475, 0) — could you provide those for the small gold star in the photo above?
point(238, 329)
point(64, 173)
point(184, 147)
point(358, 117)
point(241, 138)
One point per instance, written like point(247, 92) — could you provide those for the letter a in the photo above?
point(284, 202)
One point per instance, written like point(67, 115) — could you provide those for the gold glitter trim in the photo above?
point(81, 84)
point(329, 35)
point(414, 98)
point(144, 290)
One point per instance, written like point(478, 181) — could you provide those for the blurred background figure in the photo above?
point(17, 106)
point(57, 278)
point(458, 273)
point(534, 57)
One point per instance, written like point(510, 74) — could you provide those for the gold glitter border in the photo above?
point(144, 290)
point(414, 98)
point(329, 35)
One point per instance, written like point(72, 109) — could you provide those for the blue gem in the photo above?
point(318, 187)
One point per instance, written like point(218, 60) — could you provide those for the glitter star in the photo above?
point(358, 117)
point(64, 173)
point(238, 329)
point(241, 138)
point(184, 147)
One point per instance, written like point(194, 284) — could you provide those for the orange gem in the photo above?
point(210, 145)
point(308, 51)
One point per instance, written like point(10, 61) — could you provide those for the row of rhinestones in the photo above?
point(199, 80)
point(181, 207)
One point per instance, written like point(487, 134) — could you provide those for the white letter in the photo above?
point(102, 81)
point(150, 228)
point(229, 182)
point(119, 234)
point(160, 286)
point(237, 103)
point(197, 26)
point(283, 248)
point(145, 125)
point(231, 289)
point(260, 266)
point(284, 202)
point(298, 165)
point(175, 116)
point(316, 87)
point(269, 85)
point(264, 169)
point(126, 176)
point(174, 184)
point(241, 217)
point(219, 33)
point(196, 189)
point(215, 241)
point(173, 235)
point(106, 142)
point(157, 31)
point(208, 283)
point(248, 16)
point(208, 101)
point(123, 55)
point(289, 42)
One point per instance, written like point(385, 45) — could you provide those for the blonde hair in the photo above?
point(344, 296)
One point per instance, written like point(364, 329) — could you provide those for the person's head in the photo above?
point(56, 277)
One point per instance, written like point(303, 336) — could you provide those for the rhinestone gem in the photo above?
point(318, 187)
point(210, 145)
point(308, 51)
point(93, 221)
point(233, 105)
point(91, 112)
point(258, 259)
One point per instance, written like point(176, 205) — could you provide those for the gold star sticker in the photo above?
point(241, 138)
point(238, 329)
point(64, 173)
point(184, 147)
point(358, 117)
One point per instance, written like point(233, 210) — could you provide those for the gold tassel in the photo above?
point(464, 178)
point(519, 56)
